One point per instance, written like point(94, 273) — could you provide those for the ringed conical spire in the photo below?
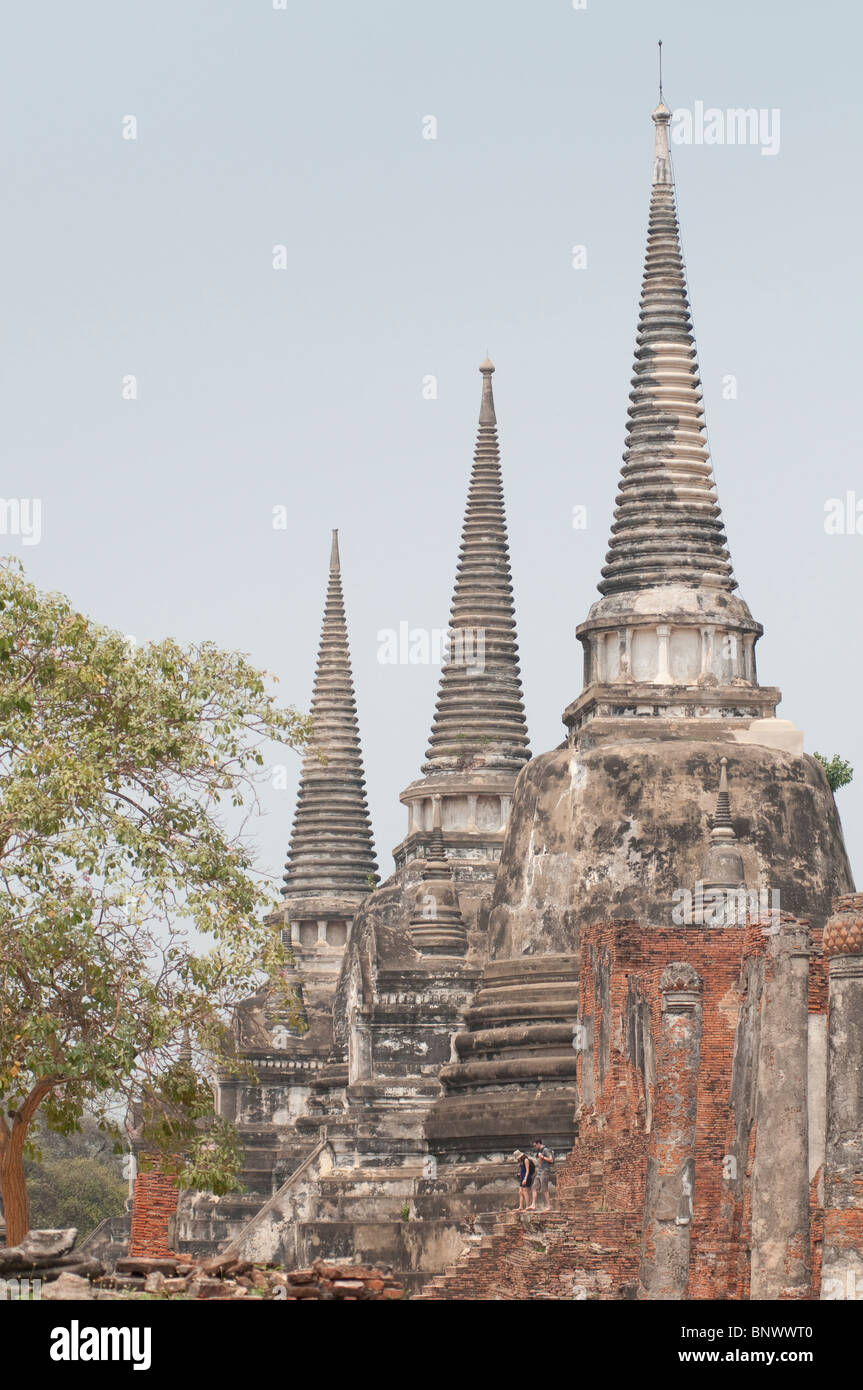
point(479, 718)
point(667, 526)
point(331, 852)
point(669, 636)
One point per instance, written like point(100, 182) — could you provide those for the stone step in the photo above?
point(454, 1180)
point(241, 1203)
point(346, 1204)
point(392, 1242)
point(407, 1171)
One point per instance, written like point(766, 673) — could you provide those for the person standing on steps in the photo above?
point(544, 1164)
point(526, 1175)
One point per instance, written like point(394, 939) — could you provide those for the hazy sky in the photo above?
point(406, 257)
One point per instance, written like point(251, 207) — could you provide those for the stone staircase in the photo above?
point(206, 1224)
point(398, 1216)
point(475, 1274)
point(586, 1248)
point(393, 1215)
point(364, 1191)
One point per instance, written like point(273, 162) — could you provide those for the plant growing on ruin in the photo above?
point(131, 910)
point(837, 770)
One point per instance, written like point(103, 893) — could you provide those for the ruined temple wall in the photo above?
point(747, 1005)
point(623, 1065)
point(752, 1094)
point(594, 1241)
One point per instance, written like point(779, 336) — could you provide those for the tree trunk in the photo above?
point(13, 1186)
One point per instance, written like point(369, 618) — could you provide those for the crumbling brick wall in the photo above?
point(590, 1246)
point(638, 957)
point(154, 1206)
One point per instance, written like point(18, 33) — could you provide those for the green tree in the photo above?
point(130, 909)
point(173, 1119)
point(77, 1192)
point(838, 772)
point(76, 1179)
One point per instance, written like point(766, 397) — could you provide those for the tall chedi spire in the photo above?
point(669, 634)
point(479, 738)
point(331, 848)
point(286, 1028)
point(479, 719)
point(331, 854)
point(667, 525)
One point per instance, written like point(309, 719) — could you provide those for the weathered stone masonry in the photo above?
point(842, 1272)
point(668, 1202)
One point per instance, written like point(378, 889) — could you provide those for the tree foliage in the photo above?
point(130, 908)
point(77, 1178)
point(838, 771)
point(78, 1192)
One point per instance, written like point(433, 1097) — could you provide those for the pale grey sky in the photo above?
point(406, 257)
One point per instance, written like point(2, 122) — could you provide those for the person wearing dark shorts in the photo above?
point(526, 1174)
point(544, 1164)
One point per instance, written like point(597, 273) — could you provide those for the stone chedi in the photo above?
point(526, 968)
point(478, 741)
point(437, 926)
point(669, 636)
point(716, 1125)
point(612, 823)
point(420, 941)
point(331, 864)
point(378, 1004)
point(285, 1032)
point(723, 869)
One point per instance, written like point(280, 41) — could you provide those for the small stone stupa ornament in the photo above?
point(437, 926)
point(723, 883)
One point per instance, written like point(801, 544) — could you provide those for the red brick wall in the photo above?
point(154, 1203)
point(718, 955)
point(817, 974)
